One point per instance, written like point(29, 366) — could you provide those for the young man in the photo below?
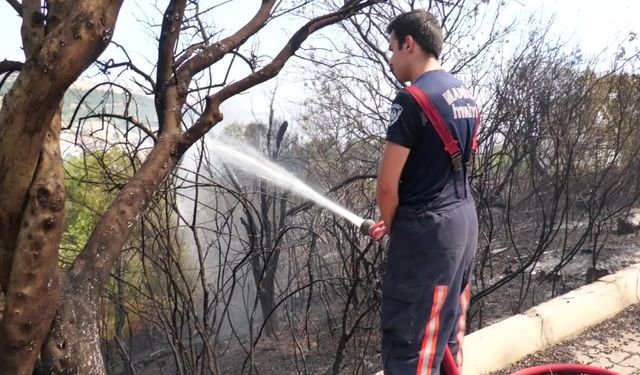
point(425, 201)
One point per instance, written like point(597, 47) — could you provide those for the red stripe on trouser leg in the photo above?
point(430, 341)
point(462, 321)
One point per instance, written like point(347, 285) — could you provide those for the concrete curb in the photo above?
point(496, 346)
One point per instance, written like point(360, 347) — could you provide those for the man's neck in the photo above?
point(425, 66)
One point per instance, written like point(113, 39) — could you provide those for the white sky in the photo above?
point(591, 24)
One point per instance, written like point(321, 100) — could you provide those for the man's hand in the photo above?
point(378, 231)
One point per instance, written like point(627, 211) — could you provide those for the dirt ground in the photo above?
point(612, 345)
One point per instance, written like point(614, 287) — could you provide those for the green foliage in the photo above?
point(89, 181)
point(92, 181)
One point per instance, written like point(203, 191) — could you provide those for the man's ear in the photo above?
point(409, 43)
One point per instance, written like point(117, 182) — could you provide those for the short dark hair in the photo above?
point(422, 26)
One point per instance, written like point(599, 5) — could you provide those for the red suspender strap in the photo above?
point(450, 144)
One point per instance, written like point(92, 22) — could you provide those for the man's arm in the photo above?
point(393, 160)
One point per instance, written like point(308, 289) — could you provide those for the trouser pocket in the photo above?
point(399, 312)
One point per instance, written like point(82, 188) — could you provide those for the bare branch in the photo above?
point(129, 119)
point(190, 51)
point(7, 66)
point(169, 34)
point(273, 68)
point(16, 5)
point(211, 116)
point(214, 53)
point(129, 64)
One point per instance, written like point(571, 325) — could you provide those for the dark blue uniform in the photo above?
point(434, 234)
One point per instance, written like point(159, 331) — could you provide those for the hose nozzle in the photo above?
point(365, 226)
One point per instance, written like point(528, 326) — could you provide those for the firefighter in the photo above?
point(426, 205)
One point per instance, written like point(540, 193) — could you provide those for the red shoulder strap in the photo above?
point(474, 142)
point(450, 144)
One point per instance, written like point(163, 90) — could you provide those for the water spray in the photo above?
point(245, 158)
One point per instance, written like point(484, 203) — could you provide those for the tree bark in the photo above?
point(73, 345)
point(34, 286)
point(58, 48)
point(53, 62)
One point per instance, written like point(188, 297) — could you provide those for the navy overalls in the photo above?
point(434, 233)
